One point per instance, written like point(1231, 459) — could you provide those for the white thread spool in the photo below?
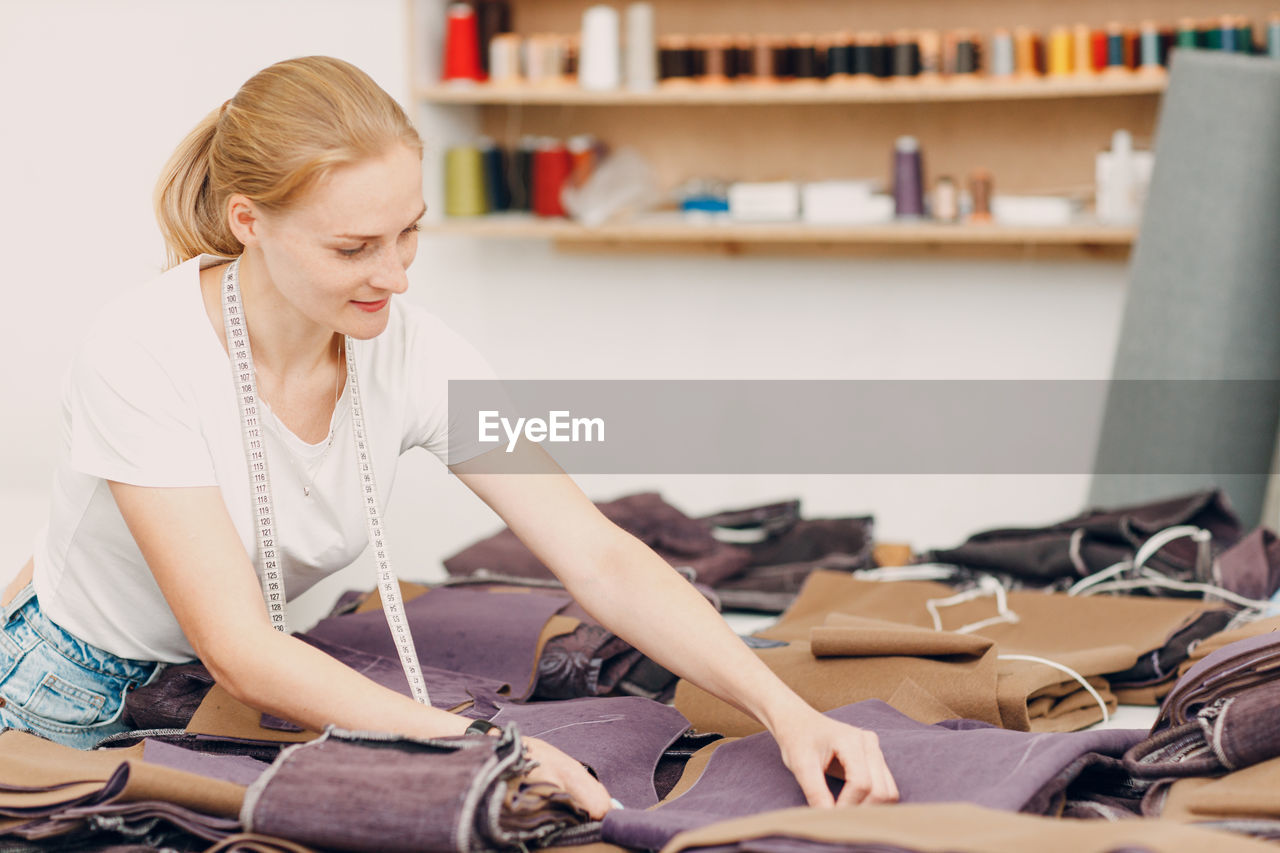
point(599, 63)
point(642, 50)
point(504, 58)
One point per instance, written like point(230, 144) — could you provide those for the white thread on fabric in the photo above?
point(1148, 550)
point(1073, 552)
point(987, 586)
point(1097, 697)
point(1159, 581)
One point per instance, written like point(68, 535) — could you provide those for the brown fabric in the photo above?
point(1153, 695)
point(1250, 793)
point(250, 842)
point(1212, 643)
point(962, 828)
point(871, 668)
point(1049, 623)
point(30, 761)
point(1039, 698)
point(892, 554)
point(221, 714)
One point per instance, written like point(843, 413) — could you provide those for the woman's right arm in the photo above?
point(198, 560)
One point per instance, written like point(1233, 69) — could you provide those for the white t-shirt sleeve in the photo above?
point(130, 421)
point(437, 355)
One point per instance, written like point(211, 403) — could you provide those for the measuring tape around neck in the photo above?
point(260, 485)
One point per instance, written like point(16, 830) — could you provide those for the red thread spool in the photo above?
point(462, 44)
point(552, 165)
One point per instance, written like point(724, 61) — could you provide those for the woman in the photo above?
point(310, 177)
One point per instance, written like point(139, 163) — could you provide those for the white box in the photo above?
point(774, 201)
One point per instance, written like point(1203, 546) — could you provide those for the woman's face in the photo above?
point(340, 254)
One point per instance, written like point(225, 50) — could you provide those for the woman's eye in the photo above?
point(350, 253)
point(412, 229)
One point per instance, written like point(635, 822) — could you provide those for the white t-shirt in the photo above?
point(150, 401)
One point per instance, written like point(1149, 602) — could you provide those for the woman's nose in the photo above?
point(391, 274)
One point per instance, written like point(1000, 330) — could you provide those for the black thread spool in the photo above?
point(804, 58)
point(906, 55)
point(863, 56)
point(744, 62)
point(520, 174)
point(967, 56)
point(675, 58)
point(783, 67)
point(880, 57)
point(840, 57)
point(492, 17)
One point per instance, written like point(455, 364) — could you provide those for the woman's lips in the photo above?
point(371, 307)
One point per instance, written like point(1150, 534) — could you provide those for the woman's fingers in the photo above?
point(564, 772)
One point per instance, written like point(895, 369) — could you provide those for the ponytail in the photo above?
point(190, 216)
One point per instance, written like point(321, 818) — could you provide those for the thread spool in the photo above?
point(675, 61)
point(641, 54)
point(908, 178)
point(1061, 52)
point(968, 57)
point(1026, 46)
point(462, 45)
point(1211, 35)
point(1003, 63)
point(840, 57)
point(493, 17)
point(930, 46)
point(571, 52)
point(497, 194)
point(804, 58)
point(600, 60)
point(1098, 50)
point(863, 65)
point(1115, 49)
point(1149, 52)
point(504, 58)
point(744, 61)
point(980, 192)
point(552, 166)
point(1227, 25)
point(1244, 35)
point(879, 56)
point(520, 174)
point(946, 200)
point(544, 59)
point(780, 49)
point(763, 60)
point(1187, 34)
point(1082, 50)
point(1273, 37)
point(906, 55)
point(720, 59)
point(464, 189)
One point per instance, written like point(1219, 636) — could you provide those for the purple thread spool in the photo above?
point(908, 179)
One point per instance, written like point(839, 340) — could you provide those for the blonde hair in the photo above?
point(287, 127)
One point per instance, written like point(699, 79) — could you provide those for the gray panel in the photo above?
point(1204, 295)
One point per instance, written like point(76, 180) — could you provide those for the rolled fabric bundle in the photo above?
point(457, 793)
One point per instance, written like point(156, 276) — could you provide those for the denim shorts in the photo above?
point(57, 685)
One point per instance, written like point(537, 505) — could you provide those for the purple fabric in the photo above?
point(1251, 567)
point(489, 634)
point(446, 689)
point(230, 768)
point(621, 738)
point(956, 761)
point(677, 538)
point(1230, 670)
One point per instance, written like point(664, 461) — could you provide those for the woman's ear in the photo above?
point(245, 219)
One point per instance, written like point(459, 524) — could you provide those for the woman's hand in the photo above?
point(814, 745)
point(564, 772)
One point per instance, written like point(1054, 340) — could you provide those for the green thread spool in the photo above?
point(464, 190)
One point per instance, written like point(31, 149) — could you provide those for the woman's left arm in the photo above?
point(634, 593)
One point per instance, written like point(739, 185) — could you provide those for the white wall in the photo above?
point(97, 94)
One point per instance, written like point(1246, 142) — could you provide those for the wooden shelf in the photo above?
point(672, 231)
point(829, 92)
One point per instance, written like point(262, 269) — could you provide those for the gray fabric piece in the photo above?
point(1204, 296)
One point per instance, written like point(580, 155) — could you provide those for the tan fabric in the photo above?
point(694, 768)
point(871, 668)
point(1049, 623)
point(1250, 793)
point(30, 761)
point(1039, 698)
point(249, 842)
point(223, 715)
point(891, 554)
point(1152, 695)
point(962, 828)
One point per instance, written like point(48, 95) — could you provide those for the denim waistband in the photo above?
point(25, 605)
